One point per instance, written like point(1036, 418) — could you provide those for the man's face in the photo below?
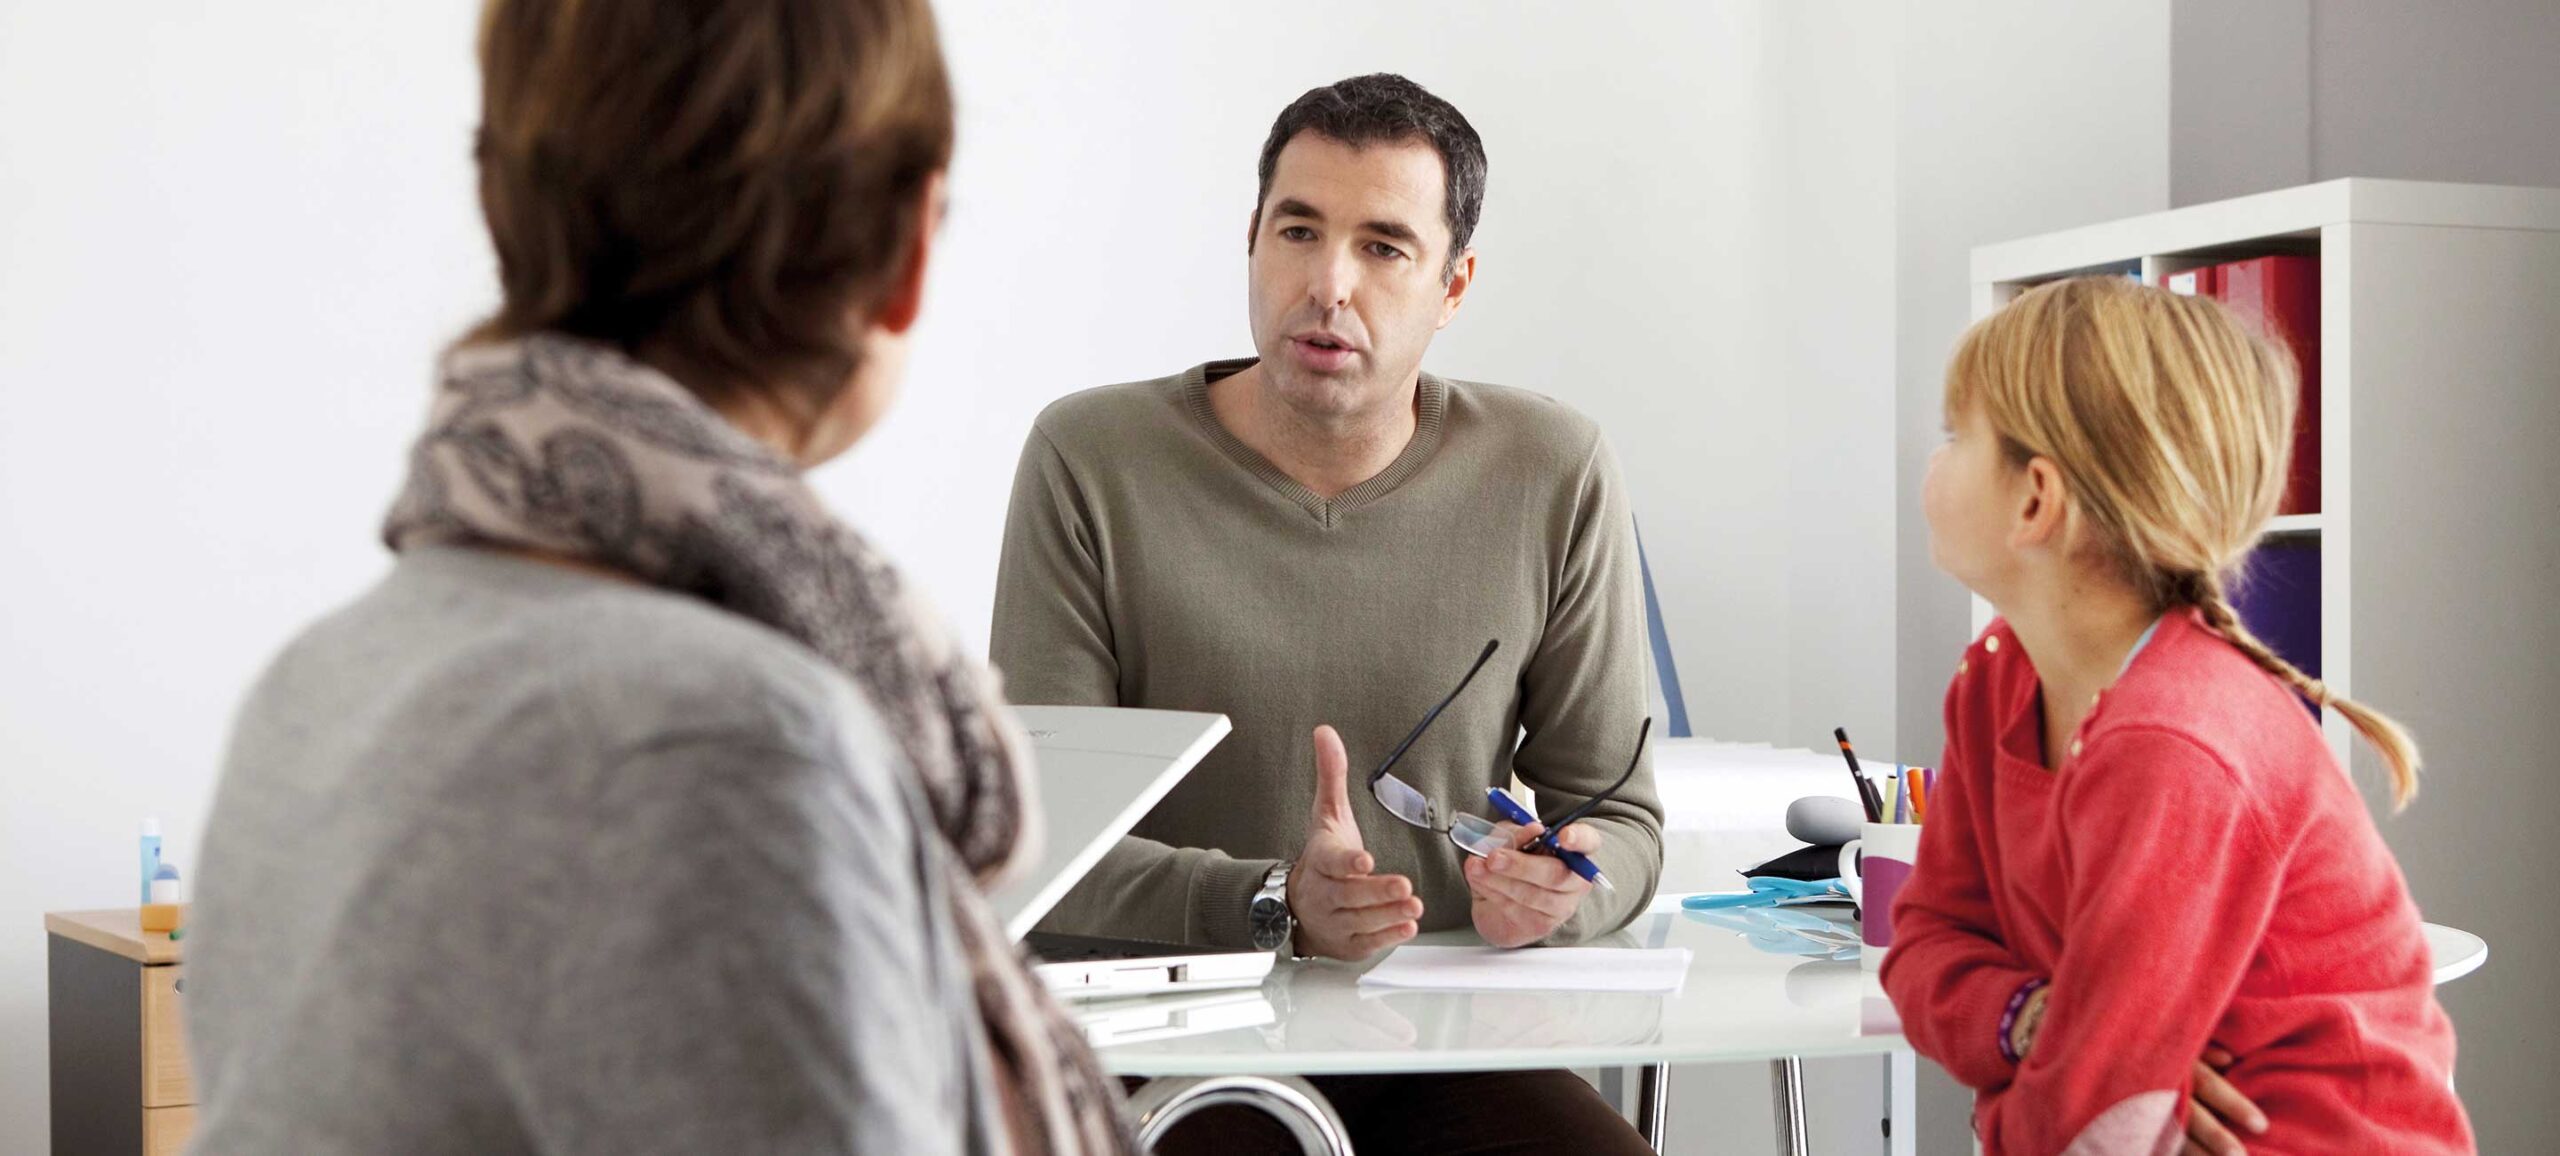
point(1346, 264)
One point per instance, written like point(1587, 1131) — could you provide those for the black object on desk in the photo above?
point(1809, 864)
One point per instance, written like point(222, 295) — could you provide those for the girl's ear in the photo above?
point(2043, 515)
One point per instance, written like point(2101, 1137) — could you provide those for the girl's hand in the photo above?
point(2215, 1106)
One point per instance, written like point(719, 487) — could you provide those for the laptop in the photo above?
point(1102, 769)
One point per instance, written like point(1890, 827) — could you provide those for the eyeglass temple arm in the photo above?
point(1490, 646)
point(1612, 792)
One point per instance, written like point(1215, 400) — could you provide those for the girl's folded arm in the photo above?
point(2174, 882)
point(1950, 973)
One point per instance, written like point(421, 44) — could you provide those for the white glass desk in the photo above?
point(1752, 994)
point(1740, 1002)
point(2457, 953)
point(1743, 1000)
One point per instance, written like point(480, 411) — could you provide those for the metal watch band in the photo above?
point(1271, 919)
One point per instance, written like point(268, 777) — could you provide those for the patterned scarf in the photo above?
point(568, 447)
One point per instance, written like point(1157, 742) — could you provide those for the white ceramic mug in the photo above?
point(1889, 851)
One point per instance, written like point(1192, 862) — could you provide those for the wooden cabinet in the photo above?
point(165, 1130)
point(118, 1044)
point(166, 1082)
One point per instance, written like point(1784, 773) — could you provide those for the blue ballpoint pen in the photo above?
point(1580, 863)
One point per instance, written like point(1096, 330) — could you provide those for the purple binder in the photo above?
point(2278, 597)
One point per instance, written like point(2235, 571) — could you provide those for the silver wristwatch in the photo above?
point(1272, 922)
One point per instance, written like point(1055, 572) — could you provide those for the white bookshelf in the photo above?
point(2427, 292)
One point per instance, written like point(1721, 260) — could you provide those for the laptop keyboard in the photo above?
point(1050, 947)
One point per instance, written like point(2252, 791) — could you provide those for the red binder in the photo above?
point(2281, 295)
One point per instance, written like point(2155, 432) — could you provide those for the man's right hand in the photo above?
point(1343, 911)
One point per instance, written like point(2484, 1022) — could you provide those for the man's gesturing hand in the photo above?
point(1342, 910)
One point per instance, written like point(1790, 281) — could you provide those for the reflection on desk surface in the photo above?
point(1786, 931)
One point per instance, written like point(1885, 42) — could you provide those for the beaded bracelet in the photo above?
point(2009, 1018)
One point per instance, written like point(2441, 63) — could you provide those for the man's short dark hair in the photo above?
point(1384, 108)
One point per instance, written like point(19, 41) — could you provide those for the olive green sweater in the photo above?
point(1151, 559)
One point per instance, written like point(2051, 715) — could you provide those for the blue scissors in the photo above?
point(1768, 891)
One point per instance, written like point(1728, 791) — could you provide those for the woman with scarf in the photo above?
point(642, 807)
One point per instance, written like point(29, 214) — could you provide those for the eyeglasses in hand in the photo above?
point(1473, 834)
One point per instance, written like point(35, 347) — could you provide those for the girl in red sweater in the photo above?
point(2151, 913)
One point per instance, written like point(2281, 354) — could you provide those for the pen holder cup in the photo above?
point(1873, 867)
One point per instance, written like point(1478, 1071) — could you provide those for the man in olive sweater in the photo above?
point(1326, 534)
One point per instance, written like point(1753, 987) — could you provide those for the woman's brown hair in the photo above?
point(724, 190)
point(2172, 423)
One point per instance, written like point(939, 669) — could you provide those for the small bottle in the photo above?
point(168, 894)
point(150, 856)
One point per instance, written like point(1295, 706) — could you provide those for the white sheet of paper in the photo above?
point(1638, 969)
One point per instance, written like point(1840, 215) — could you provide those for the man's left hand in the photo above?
point(1521, 898)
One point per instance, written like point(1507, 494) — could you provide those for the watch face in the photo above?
point(1271, 923)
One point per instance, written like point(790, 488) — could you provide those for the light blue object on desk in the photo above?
point(1785, 931)
point(1770, 892)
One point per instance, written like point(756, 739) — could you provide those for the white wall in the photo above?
point(2282, 92)
point(2464, 92)
point(230, 237)
point(2239, 98)
point(1830, 297)
point(231, 242)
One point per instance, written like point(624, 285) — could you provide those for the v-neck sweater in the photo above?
point(1430, 409)
point(2198, 871)
point(1152, 559)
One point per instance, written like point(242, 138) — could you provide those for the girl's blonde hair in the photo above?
point(2172, 424)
